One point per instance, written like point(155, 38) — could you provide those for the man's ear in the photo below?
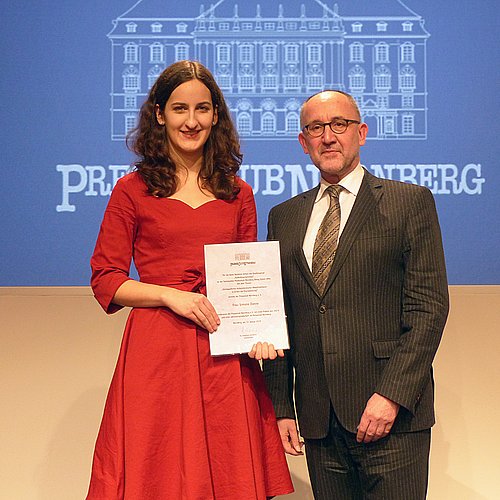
point(303, 142)
point(159, 115)
point(362, 133)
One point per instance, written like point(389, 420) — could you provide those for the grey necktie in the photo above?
point(326, 241)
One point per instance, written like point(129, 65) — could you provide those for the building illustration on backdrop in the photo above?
point(269, 57)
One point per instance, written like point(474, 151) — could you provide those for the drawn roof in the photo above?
point(189, 9)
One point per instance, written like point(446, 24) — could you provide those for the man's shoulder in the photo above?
point(394, 185)
point(287, 205)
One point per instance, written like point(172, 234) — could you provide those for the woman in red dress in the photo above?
point(178, 423)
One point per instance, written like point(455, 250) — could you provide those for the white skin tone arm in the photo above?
point(377, 419)
point(376, 423)
point(292, 444)
point(191, 305)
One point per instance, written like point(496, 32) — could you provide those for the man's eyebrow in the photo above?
point(331, 119)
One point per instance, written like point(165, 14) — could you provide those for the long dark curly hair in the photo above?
point(221, 153)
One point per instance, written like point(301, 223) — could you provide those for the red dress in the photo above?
point(178, 423)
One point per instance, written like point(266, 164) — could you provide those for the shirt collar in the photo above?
point(351, 182)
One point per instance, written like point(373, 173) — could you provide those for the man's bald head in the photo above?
point(324, 95)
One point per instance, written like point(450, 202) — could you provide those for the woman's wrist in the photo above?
point(167, 295)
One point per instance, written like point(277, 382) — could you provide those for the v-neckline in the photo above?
point(190, 206)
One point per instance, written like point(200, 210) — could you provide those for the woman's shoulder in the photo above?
point(245, 188)
point(130, 183)
point(130, 179)
point(128, 190)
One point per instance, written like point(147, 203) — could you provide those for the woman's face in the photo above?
point(188, 117)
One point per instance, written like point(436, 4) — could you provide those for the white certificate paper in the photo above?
point(244, 286)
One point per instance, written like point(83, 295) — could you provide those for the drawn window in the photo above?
point(247, 26)
point(181, 51)
point(131, 27)
point(269, 81)
point(291, 26)
point(269, 26)
point(246, 53)
point(131, 53)
point(247, 82)
point(314, 52)
point(223, 53)
point(224, 26)
point(224, 81)
point(408, 124)
point(181, 27)
point(357, 79)
point(291, 53)
point(269, 53)
point(407, 53)
point(315, 81)
point(407, 26)
point(382, 78)
point(389, 125)
point(356, 27)
point(356, 52)
point(382, 53)
point(130, 101)
point(381, 26)
point(291, 81)
point(244, 123)
point(131, 80)
point(407, 101)
point(156, 53)
point(383, 101)
point(268, 123)
point(407, 79)
point(130, 122)
point(153, 75)
point(292, 122)
point(156, 27)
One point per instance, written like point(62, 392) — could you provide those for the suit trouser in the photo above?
point(393, 468)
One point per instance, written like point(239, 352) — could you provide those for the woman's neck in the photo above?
point(189, 163)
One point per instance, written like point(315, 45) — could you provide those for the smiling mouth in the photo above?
point(190, 133)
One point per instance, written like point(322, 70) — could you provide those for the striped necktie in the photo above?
point(326, 241)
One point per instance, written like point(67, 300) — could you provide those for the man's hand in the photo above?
point(377, 419)
point(290, 437)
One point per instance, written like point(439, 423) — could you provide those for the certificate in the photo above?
point(244, 286)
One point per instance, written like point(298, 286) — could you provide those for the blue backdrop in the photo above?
point(425, 74)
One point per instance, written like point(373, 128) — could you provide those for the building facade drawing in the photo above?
point(268, 58)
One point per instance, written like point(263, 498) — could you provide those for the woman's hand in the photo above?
point(263, 350)
point(193, 306)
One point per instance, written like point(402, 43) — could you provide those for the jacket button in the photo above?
point(322, 309)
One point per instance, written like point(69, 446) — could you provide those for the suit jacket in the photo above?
point(378, 324)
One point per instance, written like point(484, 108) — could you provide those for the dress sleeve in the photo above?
point(247, 220)
point(112, 255)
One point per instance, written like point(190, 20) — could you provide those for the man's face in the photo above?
point(335, 155)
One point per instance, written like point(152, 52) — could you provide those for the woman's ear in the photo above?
point(159, 115)
point(216, 116)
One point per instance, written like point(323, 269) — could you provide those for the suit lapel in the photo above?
point(367, 199)
point(302, 216)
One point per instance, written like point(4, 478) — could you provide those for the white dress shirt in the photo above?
point(351, 184)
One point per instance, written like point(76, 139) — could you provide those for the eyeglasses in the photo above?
point(338, 126)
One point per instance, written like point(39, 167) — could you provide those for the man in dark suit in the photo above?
point(365, 311)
